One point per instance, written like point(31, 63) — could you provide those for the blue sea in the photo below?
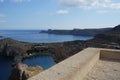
point(35, 37)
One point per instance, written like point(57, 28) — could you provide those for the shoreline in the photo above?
point(58, 51)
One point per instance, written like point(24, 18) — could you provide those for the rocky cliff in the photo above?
point(23, 72)
point(10, 47)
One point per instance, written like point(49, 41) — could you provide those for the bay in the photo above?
point(35, 37)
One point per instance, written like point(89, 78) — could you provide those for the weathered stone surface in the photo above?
point(23, 72)
point(32, 71)
point(104, 70)
point(19, 72)
point(77, 66)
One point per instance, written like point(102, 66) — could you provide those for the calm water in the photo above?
point(44, 61)
point(33, 36)
point(5, 67)
point(5, 64)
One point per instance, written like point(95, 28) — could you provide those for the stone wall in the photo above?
point(77, 66)
point(110, 54)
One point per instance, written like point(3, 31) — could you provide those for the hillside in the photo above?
point(81, 32)
point(58, 51)
point(112, 36)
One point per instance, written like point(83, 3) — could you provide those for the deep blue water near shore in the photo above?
point(5, 64)
point(5, 67)
point(36, 37)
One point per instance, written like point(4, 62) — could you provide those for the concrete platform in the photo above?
point(105, 70)
point(89, 64)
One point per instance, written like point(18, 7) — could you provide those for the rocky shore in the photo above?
point(59, 51)
point(23, 72)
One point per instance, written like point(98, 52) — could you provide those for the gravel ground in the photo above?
point(105, 70)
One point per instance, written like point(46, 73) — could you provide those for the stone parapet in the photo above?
point(77, 66)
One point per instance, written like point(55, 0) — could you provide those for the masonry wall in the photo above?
point(77, 66)
point(110, 54)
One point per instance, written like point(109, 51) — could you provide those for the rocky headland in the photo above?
point(59, 51)
point(78, 32)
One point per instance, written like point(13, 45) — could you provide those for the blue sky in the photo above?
point(59, 14)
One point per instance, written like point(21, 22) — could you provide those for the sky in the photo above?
point(59, 14)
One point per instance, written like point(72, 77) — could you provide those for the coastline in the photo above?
point(58, 51)
point(77, 32)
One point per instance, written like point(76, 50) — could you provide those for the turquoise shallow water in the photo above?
point(33, 36)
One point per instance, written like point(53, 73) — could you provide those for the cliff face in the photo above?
point(23, 72)
point(10, 47)
point(18, 50)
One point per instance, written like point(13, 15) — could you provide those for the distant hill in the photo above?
point(113, 35)
point(117, 28)
point(79, 32)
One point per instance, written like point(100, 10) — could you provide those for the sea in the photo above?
point(33, 36)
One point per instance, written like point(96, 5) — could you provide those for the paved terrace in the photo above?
point(89, 64)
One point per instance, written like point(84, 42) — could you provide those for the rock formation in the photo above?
point(23, 72)
point(10, 47)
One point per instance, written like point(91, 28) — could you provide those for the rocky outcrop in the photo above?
point(32, 71)
point(23, 72)
point(10, 47)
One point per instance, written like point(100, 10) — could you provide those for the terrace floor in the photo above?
point(105, 70)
